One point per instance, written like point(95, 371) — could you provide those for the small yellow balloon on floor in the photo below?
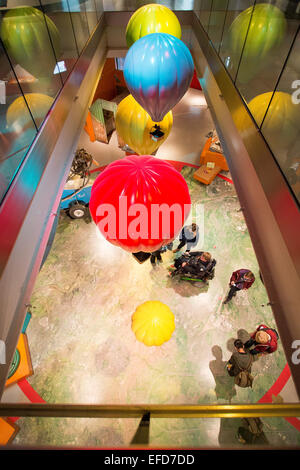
point(153, 323)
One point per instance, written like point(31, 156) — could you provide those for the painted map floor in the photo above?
point(83, 349)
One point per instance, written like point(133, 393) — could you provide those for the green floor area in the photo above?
point(84, 351)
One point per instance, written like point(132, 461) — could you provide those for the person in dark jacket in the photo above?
point(155, 255)
point(195, 263)
point(240, 360)
point(189, 236)
point(264, 340)
point(240, 279)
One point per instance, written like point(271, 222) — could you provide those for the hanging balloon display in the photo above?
point(149, 19)
point(26, 39)
point(158, 70)
point(18, 116)
point(153, 323)
point(134, 126)
point(264, 25)
point(140, 203)
point(281, 124)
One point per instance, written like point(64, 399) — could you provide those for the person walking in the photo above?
point(189, 236)
point(240, 280)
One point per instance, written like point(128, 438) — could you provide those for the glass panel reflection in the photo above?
point(17, 129)
point(131, 5)
point(75, 432)
point(99, 8)
point(281, 126)
point(80, 22)
point(60, 15)
point(217, 21)
point(234, 433)
point(39, 44)
point(204, 13)
point(190, 433)
point(269, 38)
point(24, 32)
point(91, 15)
point(231, 47)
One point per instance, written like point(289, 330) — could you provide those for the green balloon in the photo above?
point(25, 37)
point(266, 31)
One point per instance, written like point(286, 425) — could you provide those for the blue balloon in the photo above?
point(158, 70)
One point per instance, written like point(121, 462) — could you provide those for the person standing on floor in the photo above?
point(239, 365)
point(156, 255)
point(264, 340)
point(189, 236)
point(240, 279)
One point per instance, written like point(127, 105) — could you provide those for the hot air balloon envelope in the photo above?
point(281, 124)
point(153, 323)
point(149, 19)
point(25, 34)
point(17, 115)
point(140, 203)
point(134, 125)
point(158, 70)
point(264, 26)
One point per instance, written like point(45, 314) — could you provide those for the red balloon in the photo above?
point(140, 203)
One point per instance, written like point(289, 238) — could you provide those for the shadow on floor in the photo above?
point(225, 388)
point(187, 288)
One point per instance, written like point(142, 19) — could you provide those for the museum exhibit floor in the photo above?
point(84, 351)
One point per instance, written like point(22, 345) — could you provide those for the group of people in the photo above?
point(262, 341)
point(197, 264)
point(200, 265)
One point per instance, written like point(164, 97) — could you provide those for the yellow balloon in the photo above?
point(133, 125)
point(281, 125)
point(152, 18)
point(153, 323)
point(17, 114)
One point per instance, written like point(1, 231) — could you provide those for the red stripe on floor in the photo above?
point(294, 422)
point(225, 178)
point(277, 386)
point(13, 419)
point(30, 393)
point(276, 389)
point(99, 168)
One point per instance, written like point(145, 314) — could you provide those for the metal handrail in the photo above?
point(156, 411)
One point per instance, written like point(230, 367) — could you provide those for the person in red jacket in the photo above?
point(264, 340)
point(240, 279)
